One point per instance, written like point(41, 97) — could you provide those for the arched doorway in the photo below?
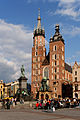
point(76, 95)
point(42, 96)
point(67, 90)
point(46, 96)
point(37, 95)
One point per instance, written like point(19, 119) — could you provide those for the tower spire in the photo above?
point(39, 20)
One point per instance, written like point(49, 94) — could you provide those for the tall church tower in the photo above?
point(57, 63)
point(38, 56)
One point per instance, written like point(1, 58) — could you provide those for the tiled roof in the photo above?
point(68, 68)
point(46, 60)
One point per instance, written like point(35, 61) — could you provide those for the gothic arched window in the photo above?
point(46, 72)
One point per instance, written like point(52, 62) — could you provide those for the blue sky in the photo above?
point(17, 21)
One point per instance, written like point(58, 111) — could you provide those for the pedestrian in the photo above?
point(53, 109)
point(15, 101)
point(8, 104)
point(37, 105)
point(51, 106)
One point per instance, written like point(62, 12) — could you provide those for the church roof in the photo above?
point(46, 60)
point(57, 36)
point(68, 68)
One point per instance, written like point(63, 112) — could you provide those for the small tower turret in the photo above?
point(39, 31)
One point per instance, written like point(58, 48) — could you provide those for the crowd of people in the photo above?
point(54, 104)
point(6, 103)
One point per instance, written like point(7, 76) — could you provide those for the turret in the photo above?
point(57, 36)
point(39, 31)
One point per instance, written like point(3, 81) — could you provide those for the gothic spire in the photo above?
point(39, 30)
point(39, 20)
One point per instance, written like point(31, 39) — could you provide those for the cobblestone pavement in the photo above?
point(31, 114)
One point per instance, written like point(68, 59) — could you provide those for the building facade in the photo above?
point(2, 89)
point(51, 66)
point(11, 88)
point(76, 81)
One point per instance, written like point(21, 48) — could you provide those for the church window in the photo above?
point(33, 72)
point(36, 78)
point(55, 70)
point(34, 85)
point(52, 70)
point(52, 56)
point(36, 71)
point(58, 69)
point(75, 72)
point(55, 56)
point(55, 77)
point(38, 59)
point(38, 84)
point(58, 62)
point(62, 57)
point(55, 88)
point(36, 47)
point(33, 65)
point(39, 72)
point(36, 40)
point(55, 48)
point(44, 54)
point(36, 65)
point(46, 72)
point(39, 78)
point(63, 71)
point(63, 64)
point(35, 53)
point(76, 87)
point(40, 40)
point(55, 95)
point(34, 59)
point(63, 77)
point(39, 65)
point(75, 79)
point(62, 48)
point(52, 63)
point(43, 48)
point(55, 63)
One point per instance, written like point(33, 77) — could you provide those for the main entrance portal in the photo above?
point(67, 91)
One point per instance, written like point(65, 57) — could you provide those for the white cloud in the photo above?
point(15, 50)
point(70, 30)
point(68, 11)
point(68, 8)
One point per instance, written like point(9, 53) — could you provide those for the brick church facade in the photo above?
point(51, 66)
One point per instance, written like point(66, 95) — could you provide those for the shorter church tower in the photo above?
point(57, 63)
point(38, 56)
